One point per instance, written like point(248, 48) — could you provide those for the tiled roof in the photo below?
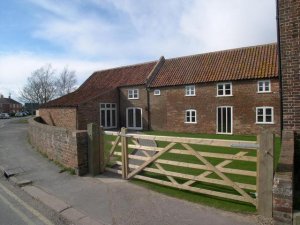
point(103, 81)
point(237, 64)
point(8, 101)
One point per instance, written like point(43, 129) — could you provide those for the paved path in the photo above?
point(105, 199)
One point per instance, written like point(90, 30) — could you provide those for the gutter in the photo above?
point(279, 65)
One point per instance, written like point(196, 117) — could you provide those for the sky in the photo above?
point(91, 35)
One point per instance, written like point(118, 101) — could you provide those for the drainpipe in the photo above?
point(279, 65)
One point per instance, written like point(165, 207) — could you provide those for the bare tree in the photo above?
point(40, 86)
point(66, 82)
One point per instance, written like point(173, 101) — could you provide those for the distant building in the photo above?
point(31, 107)
point(8, 105)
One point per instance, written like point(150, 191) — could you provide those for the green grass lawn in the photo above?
point(226, 204)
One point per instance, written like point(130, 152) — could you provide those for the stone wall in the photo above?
point(68, 147)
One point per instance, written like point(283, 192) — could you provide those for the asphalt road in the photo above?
point(16, 206)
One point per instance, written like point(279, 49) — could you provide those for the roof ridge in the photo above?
point(220, 51)
point(126, 66)
point(95, 73)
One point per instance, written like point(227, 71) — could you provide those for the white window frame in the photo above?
point(264, 114)
point(133, 93)
point(224, 90)
point(263, 86)
point(134, 119)
point(156, 92)
point(231, 127)
point(190, 90)
point(189, 118)
point(108, 110)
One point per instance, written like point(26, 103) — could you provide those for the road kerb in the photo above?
point(65, 210)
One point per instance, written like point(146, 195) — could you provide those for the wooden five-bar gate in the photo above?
point(156, 164)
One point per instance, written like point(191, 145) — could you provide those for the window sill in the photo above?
point(133, 98)
point(264, 92)
point(262, 123)
point(224, 133)
point(190, 95)
point(190, 122)
point(218, 96)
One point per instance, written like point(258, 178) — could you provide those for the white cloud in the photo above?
point(16, 68)
point(128, 28)
point(125, 31)
point(218, 25)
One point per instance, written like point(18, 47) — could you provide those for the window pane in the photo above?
point(260, 111)
point(103, 118)
point(113, 106)
point(107, 105)
point(227, 92)
point(219, 120)
point(108, 118)
point(260, 119)
point(138, 117)
point(102, 105)
point(269, 119)
point(220, 92)
point(130, 117)
point(228, 120)
point(187, 116)
point(224, 119)
point(268, 111)
point(227, 86)
point(114, 118)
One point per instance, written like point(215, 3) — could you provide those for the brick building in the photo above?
point(8, 105)
point(228, 92)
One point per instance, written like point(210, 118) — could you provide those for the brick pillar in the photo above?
point(289, 42)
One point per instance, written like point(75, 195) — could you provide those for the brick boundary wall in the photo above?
point(283, 181)
point(68, 147)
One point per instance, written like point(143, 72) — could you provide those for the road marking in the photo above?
point(18, 212)
point(29, 208)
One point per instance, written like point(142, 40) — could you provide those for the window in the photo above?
point(134, 118)
point(190, 90)
point(156, 92)
point(224, 119)
point(264, 115)
point(108, 115)
point(191, 116)
point(224, 89)
point(133, 94)
point(264, 86)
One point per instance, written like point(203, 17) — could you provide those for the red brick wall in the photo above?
point(89, 112)
point(286, 181)
point(290, 61)
point(60, 117)
point(68, 147)
point(168, 109)
point(140, 103)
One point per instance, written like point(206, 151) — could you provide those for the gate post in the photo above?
point(265, 173)
point(124, 143)
point(101, 149)
point(93, 149)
